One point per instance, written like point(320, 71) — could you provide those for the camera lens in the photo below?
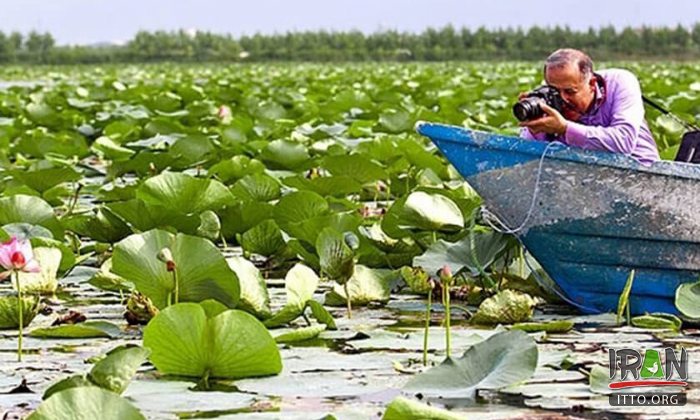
point(527, 109)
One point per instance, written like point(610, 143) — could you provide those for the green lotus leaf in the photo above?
point(103, 226)
point(417, 279)
point(499, 361)
point(9, 311)
point(143, 217)
point(299, 206)
point(115, 371)
point(74, 381)
point(40, 143)
point(191, 150)
point(321, 314)
point(336, 186)
point(432, 212)
point(31, 210)
point(45, 281)
point(243, 216)
point(366, 286)
point(550, 327)
point(184, 193)
point(257, 187)
point(396, 121)
point(284, 154)
point(309, 229)
point(233, 344)
point(403, 408)
point(506, 307)
point(658, 320)
point(87, 329)
point(337, 259)
point(264, 239)
point(86, 402)
point(462, 254)
point(111, 150)
point(209, 225)
point(299, 334)
point(688, 299)
point(43, 179)
point(105, 279)
point(300, 284)
point(202, 271)
point(357, 166)
point(237, 167)
point(254, 296)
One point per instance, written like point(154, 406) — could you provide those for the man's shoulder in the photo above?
point(615, 75)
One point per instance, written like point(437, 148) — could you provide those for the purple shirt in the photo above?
point(614, 123)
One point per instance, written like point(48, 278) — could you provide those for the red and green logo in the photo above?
point(649, 369)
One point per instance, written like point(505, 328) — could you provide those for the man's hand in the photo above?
point(552, 122)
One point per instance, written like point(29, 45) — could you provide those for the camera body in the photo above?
point(529, 107)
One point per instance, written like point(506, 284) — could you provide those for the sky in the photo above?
point(95, 21)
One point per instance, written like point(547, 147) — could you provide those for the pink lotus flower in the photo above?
point(16, 255)
point(224, 112)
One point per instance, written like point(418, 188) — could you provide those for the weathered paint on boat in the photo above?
point(596, 216)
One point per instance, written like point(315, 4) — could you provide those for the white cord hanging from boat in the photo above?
point(489, 217)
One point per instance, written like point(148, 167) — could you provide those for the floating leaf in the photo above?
point(688, 299)
point(499, 361)
point(184, 193)
point(106, 280)
point(300, 334)
point(321, 314)
point(233, 344)
point(85, 402)
point(88, 329)
point(658, 320)
point(506, 307)
point(402, 408)
point(548, 327)
point(209, 225)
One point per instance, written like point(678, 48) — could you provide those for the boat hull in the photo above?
point(595, 216)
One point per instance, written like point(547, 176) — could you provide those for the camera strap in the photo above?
point(686, 124)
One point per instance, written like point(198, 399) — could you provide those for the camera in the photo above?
point(529, 107)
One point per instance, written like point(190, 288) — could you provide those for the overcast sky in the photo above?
point(91, 21)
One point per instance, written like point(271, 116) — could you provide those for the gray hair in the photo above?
point(565, 56)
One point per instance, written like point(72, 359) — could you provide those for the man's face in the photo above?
point(577, 92)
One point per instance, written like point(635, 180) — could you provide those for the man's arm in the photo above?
point(626, 121)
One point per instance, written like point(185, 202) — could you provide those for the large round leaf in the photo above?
point(184, 193)
point(688, 299)
point(185, 341)
point(87, 402)
point(298, 207)
point(31, 210)
point(432, 212)
point(201, 269)
point(499, 361)
point(9, 311)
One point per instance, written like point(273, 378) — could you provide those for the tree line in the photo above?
point(447, 43)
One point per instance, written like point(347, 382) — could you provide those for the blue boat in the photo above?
point(588, 217)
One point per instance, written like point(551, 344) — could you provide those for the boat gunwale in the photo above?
point(558, 151)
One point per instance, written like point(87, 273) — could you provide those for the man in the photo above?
point(601, 111)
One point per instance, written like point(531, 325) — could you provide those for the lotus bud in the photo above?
point(166, 256)
point(445, 274)
point(224, 112)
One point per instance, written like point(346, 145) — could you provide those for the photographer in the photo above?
point(599, 111)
